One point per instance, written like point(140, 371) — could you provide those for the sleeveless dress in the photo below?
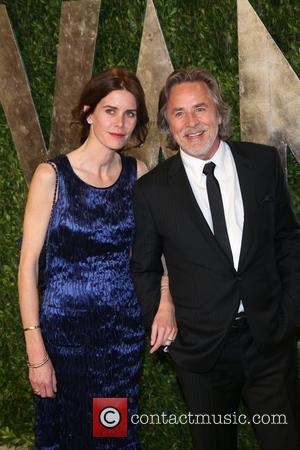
point(90, 317)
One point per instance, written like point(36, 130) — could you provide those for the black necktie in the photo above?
point(217, 209)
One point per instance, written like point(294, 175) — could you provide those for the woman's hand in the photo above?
point(43, 380)
point(164, 327)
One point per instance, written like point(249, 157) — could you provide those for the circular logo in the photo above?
point(109, 417)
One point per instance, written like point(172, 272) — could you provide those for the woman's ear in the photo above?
point(88, 119)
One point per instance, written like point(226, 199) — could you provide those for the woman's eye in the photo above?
point(110, 111)
point(131, 114)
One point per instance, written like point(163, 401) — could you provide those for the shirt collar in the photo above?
point(190, 162)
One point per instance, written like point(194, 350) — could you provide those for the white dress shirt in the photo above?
point(226, 174)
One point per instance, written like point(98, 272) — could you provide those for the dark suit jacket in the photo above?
point(205, 287)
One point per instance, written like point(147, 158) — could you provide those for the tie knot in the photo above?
point(209, 168)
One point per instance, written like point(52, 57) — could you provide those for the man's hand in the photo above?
point(164, 327)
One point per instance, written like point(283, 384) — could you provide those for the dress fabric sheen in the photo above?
point(90, 316)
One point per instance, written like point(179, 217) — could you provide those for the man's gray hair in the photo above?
point(192, 75)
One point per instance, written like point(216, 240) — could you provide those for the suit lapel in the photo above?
point(183, 191)
point(184, 194)
point(246, 180)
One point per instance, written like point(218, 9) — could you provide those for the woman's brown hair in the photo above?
point(99, 87)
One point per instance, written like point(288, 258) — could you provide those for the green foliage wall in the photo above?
point(197, 32)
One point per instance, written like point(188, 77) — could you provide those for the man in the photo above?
point(220, 213)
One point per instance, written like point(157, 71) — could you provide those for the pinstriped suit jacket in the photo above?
point(205, 287)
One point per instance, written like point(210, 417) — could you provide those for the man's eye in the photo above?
point(200, 109)
point(179, 114)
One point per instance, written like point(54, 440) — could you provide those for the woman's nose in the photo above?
point(119, 120)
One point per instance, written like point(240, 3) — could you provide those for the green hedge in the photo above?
point(197, 33)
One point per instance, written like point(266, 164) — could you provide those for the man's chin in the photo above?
point(201, 153)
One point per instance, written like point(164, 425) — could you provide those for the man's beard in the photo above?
point(204, 150)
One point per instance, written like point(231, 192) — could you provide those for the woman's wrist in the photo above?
point(35, 347)
point(38, 363)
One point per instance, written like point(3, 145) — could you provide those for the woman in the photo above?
point(86, 339)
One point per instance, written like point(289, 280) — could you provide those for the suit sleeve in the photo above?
point(146, 262)
point(287, 247)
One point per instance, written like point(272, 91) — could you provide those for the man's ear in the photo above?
point(220, 119)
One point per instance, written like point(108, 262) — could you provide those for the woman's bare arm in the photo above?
point(37, 215)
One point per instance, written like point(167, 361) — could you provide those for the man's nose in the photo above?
point(191, 119)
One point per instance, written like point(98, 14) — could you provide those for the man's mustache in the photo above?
point(198, 129)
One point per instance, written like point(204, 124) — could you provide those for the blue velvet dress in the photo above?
point(90, 317)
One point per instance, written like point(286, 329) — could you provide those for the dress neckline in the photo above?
point(91, 185)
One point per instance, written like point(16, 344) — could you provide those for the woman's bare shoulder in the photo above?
point(141, 168)
point(44, 178)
